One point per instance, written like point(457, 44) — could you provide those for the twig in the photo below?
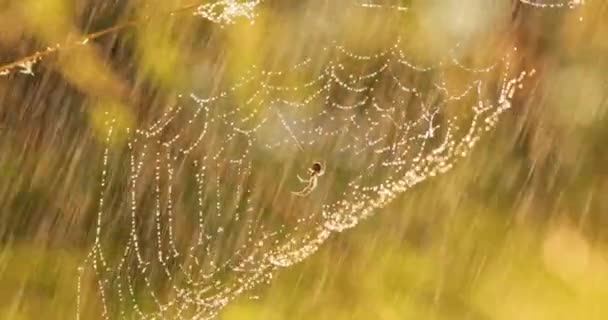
point(83, 40)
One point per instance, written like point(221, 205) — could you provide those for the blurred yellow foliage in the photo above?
point(105, 114)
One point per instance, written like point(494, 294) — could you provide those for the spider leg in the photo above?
point(312, 184)
point(302, 193)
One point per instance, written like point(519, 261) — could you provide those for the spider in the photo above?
point(315, 171)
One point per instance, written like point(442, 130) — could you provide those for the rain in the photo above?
point(310, 159)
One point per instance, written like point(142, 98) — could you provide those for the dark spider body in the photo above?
point(316, 169)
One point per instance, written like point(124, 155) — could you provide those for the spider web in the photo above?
point(571, 4)
point(239, 223)
point(207, 212)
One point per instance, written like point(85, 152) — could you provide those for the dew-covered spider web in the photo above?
point(553, 4)
point(219, 192)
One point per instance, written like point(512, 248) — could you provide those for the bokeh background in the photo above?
point(516, 231)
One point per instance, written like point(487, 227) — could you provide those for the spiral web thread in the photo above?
point(200, 224)
point(571, 4)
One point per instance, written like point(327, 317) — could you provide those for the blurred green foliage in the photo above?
point(518, 231)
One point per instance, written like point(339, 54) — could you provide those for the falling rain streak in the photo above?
point(197, 224)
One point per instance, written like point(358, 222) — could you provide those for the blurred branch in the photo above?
point(6, 68)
